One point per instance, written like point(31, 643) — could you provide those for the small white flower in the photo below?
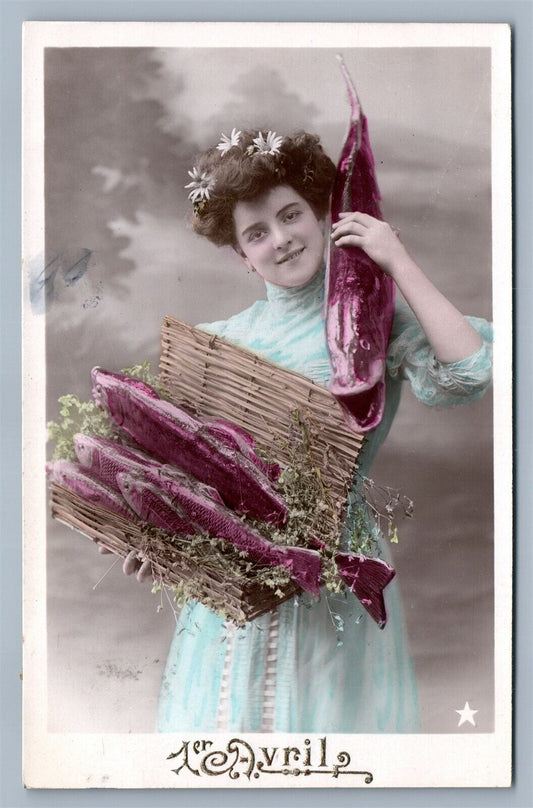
point(228, 143)
point(201, 185)
point(268, 145)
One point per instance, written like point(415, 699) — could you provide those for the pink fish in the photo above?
point(169, 498)
point(360, 296)
point(177, 498)
point(176, 437)
point(151, 506)
point(367, 577)
point(105, 459)
point(81, 481)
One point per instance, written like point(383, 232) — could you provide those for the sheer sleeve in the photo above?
point(436, 383)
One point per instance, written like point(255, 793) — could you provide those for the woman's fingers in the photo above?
point(131, 563)
point(374, 236)
point(348, 227)
point(142, 569)
point(356, 216)
point(145, 571)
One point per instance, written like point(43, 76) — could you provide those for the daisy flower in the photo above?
point(201, 185)
point(268, 145)
point(228, 143)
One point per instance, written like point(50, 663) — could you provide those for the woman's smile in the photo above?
point(279, 236)
point(292, 255)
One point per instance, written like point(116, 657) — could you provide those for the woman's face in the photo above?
point(280, 237)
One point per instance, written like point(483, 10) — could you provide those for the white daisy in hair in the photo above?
point(269, 144)
point(201, 185)
point(228, 143)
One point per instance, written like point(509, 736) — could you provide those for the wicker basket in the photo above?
point(215, 378)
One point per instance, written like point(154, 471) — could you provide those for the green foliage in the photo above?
point(87, 418)
point(364, 539)
point(312, 511)
point(143, 372)
point(77, 416)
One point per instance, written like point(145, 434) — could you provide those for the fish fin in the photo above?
point(306, 568)
point(355, 104)
point(367, 578)
point(238, 439)
point(363, 411)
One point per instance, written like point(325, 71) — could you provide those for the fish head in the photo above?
point(131, 488)
point(101, 380)
point(61, 471)
point(84, 446)
point(52, 470)
point(105, 381)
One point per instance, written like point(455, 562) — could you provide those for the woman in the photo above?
point(268, 197)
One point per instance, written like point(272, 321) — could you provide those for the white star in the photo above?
point(467, 714)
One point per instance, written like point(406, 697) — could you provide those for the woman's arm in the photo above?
point(450, 334)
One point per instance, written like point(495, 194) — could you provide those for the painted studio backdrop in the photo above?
point(122, 127)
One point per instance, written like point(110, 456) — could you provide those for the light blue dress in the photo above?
point(291, 670)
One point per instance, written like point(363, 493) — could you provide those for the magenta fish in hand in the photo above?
point(176, 437)
point(360, 296)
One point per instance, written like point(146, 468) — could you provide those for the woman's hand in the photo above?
point(375, 237)
point(450, 334)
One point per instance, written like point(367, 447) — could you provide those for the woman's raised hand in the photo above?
point(450, 334)
point(375, 237)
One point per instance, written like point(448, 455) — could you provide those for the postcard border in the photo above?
point(10, 591)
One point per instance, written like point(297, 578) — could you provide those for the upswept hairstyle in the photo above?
point(241, 174)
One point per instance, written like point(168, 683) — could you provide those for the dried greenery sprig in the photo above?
point(386, 505)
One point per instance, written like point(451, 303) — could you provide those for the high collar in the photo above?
point(310, 293)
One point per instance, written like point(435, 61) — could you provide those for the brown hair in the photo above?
point(241, 174)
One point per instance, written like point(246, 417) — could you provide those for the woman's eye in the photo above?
point(255, 235)
point(292, 215)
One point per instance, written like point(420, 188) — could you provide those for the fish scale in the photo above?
point(107, 458)
point(241, 441)
point(146, 500)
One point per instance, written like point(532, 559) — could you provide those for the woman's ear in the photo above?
point(243, 257)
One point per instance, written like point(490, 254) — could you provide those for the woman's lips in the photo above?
point(291, 255)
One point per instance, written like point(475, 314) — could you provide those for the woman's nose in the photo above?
point(280, 237)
